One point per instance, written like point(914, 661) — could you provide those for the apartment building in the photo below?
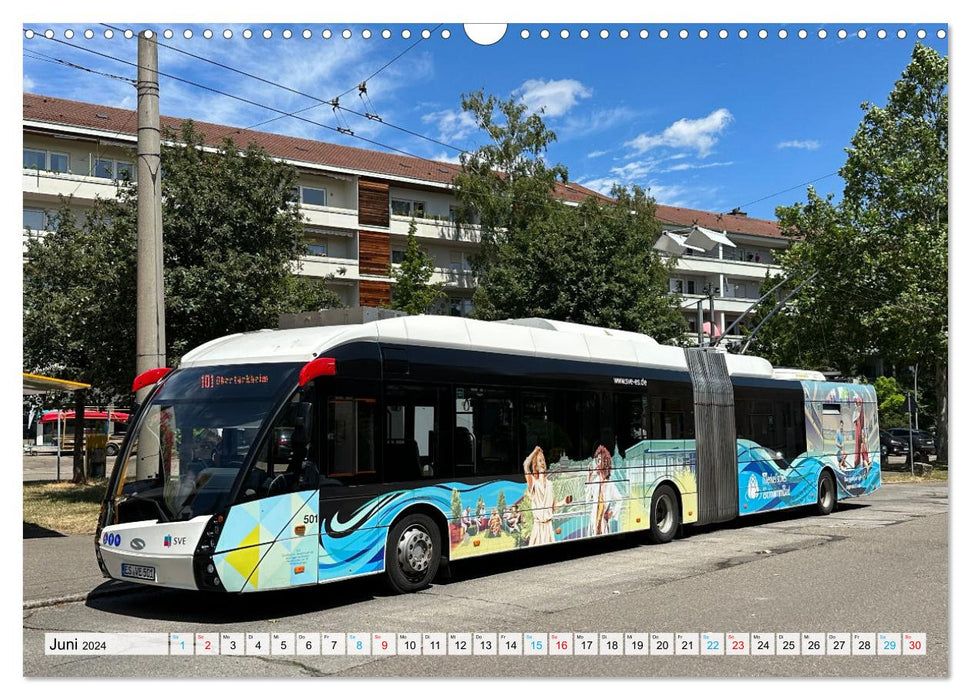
point(357, 206)
point(732, 266)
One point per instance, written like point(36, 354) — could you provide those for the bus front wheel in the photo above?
point(827, 494)
point(665, 514)
point(412, 554)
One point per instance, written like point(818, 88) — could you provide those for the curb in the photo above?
point(79, 597)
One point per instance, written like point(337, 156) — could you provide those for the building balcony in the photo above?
point(438, 229)
point(724, 304)
point(456, 279)
point(704, 265)
point(340, 269)
point(48, 186)
point(329, 217)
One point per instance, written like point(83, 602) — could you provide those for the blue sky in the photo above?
point(705, 123)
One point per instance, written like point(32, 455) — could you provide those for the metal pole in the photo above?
point(58, 444)
point(916, 417)
point(701, 323)
point(910, 433)
point(711, 316)
point(150, 315)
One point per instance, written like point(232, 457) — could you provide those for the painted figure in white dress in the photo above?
point(541, 497)
point(602, 495)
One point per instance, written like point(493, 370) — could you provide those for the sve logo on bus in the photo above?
point(112, 539)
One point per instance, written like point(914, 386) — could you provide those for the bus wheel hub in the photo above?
point(414, 551)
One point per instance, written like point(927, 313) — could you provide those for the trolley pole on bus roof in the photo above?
point(150, 299)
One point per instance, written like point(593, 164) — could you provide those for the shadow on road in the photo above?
point(226, 608)
point(32, 530)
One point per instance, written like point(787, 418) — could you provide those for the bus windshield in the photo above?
point(193, 438)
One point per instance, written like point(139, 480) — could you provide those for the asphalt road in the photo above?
point(878, 564)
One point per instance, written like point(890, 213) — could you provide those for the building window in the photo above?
point(313, 195)
point(113, 169)
point(37, 220)
point(458, 306)
point(397, 257)
point(676, 285)
point(44, 160)
point(60, 162)
point(407, 207)
point(318, 249)
point(741, 289)
point(35, 160)
point(459, 262)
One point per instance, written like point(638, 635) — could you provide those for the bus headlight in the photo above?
point(202, 564)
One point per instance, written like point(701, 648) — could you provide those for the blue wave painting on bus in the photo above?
point(287, 458)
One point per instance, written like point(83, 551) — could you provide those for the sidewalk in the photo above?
point(63, 569)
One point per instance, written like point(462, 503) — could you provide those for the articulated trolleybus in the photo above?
point(294, 457)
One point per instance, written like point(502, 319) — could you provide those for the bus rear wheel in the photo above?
point(826, 500)
point(412, 553)
point(665, 514)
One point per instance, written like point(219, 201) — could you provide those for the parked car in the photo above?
point(114, 443)
point(890, 445)
point(923, 441)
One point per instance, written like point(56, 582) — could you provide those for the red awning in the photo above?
point(116, 416)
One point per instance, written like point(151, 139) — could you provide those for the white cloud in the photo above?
point(555, 97)
point(596, 154)
point(453, 124)
point(698, 134)
point(445, 157)
point(809, 144)
point(28, 84)
point(695, 166)
point(591, 122)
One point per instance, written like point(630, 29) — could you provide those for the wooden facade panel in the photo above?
point(373, 203)
point(375, 293)
point(374, 253)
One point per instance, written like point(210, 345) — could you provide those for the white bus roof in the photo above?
point(532, 336)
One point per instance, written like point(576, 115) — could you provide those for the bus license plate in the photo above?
point(145, 573)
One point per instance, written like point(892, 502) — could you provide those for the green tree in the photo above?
point(890, 403)
point(592, 264)
point(456, 505)
point(232, 235)
point(881, 252)
point(501, 502)
point(412, 291)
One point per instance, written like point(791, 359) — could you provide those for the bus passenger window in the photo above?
point(350, 436)
point(544, 424)
point(633, 420)
point(412, 434)
point(483, 435)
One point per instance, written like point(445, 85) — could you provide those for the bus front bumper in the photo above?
point(152, 553)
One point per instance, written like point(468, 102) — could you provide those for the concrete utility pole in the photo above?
point(710, 291)
point(150, 314)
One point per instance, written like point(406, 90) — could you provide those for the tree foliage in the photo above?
point(232, 234)
point(413, 291)
point(881, 252)
point(890, 403)
point(593, 263)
